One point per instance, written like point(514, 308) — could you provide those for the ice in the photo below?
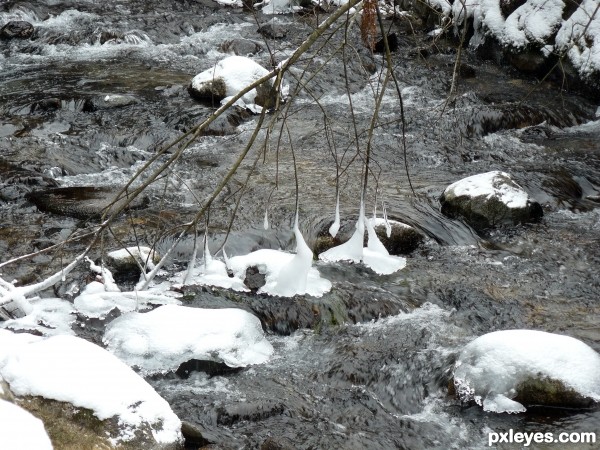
point(20, 430)
point(266, 219)
point(487, 184)
point(95, 302)
point(237, 72)
point(286, 274)
point(161, 340)
point(49, 316)
point(73, 370)
point(490, 368)
point(335, 226)
point(374, 255)
point(211, 272)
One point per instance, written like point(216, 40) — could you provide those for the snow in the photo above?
point(490, 184)
point(144, 255)
point(374, 255)
point(49, 316)
point(95, 302)
point(161, 340)
point(490, 368)
point(73, 370)
point(20, 430)
point(237, 72)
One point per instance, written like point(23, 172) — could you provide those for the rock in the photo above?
point(130, 259)
point(254, 279)
point(18, 29)
point(277, 443)
point(82, 202)
point(108, 101)
point(241, 47)
point(227, 78)
point(392, 39)
point(489, 200)
point(403, 238)
point(273, 31)
point(505, 371)
point(193, 434)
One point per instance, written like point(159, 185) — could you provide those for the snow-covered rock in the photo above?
point(132, 259)
point(19, 429)
point(228, 77)
point(70, 369)
point(161, 340)
point(503, 370)
point(489, 199)
point(530, 34)
point(49, 316)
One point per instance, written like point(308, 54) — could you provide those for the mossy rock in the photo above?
point(546, 391)
point(214, 90)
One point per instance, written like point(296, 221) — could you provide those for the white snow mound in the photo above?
point(490, 368)
point(490, 184)
point(161, 340)
point(73, 370)
point(20, 430)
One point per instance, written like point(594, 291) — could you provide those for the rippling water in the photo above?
point(379, 384)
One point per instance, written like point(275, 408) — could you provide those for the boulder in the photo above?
point(130, 259)
point(228, 77)
point(241, 47)
point(489, 200)
point(505, 371)
point(18, 29)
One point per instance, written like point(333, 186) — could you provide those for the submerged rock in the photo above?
point(505, 370)
point(489, 200)
point(16, 29)
point(130, 259)
point(82, 202)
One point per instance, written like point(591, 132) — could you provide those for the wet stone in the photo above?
point(81, 202)
point(18, 29)
point(241, 47)
point(273, 31)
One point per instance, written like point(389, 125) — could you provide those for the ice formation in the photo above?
point(335, 226)
point(73, 370)
point(161, 340)
point(490, 368)
point(374, 255)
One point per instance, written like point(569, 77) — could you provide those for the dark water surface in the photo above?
point(374, 384)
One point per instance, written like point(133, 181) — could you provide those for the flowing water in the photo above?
point(349, 381)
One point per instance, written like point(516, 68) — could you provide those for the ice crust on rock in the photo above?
point(490, 184)
point(161, 340)
point(49, 316)
point(490, 368)
point(73, 370)
point(21, 430)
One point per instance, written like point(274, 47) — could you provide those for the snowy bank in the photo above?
point(70, 369)
point(161, 340)
point(504, 369)
point(20, 430)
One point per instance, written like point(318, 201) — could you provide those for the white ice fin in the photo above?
point(266, 221)
point(352, 250)
point(335, 226)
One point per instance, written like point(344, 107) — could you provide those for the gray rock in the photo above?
point(489, 200)
point(16, 29)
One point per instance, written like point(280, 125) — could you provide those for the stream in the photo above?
point(100, 87)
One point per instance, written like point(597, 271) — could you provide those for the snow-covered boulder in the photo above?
point(161, 340)
point(71, 370)
point(488, 200)
point(228, 77)
point(504, 370)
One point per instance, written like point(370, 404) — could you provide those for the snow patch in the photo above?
point(490, 184)
point(161, 340)
point(49, 316)
point(19, 429)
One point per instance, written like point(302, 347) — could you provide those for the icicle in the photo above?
point(207, 255)
point(187, 279)
point(352, 250)
point(266, 221)
point(226, 259)
point(388, 226)
point(335, 226)
point(292, 278)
